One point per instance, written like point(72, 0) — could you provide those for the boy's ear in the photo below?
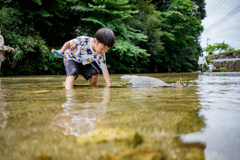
point(94, 40)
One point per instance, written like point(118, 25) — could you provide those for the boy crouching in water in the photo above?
point(82, 51)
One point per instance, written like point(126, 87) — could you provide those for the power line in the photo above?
point(210, 12)
point(215, 6)
point(221, 21)
point(212, 5)
point(230, 14)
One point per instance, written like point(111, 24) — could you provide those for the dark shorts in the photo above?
point(72, 68)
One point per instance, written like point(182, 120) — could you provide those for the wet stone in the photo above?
point(120, 136)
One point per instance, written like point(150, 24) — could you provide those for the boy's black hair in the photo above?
point(105, 36)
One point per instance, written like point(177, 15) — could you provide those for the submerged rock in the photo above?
point(119, 136)
point(143, 81)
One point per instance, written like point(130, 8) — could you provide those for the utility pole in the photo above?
point(207, 41)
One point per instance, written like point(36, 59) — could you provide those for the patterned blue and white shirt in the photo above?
point(81, 51)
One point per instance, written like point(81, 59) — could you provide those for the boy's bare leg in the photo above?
point(210, 71)
point(69, 82)
point(93, 80)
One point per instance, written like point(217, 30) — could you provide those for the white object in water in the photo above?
point(128, 77)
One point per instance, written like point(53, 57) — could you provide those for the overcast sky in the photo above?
point(229, 30)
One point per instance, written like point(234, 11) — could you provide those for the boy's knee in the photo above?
point(95, 76)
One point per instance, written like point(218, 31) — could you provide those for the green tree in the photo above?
point(151, 36)
point(201, 11)
point(148, 21)
point(181, 30)
point(163, 5)
point(218, 47)
point(22, 25)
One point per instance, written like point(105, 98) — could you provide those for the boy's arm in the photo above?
point(106, 77)
point(64, 47)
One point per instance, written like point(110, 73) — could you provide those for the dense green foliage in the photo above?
point(151, 36)
point(218, 47)
point(180, 33)
point(148, 21)
point(163, 5)
point(223, 69)
point(23, 26)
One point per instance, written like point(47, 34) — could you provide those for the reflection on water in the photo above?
point(219, 95)
point(78, 118)
point(41, 120)
point(3, 104)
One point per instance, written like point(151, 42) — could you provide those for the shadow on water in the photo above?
point(46, 121)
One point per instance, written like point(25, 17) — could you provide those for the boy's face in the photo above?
point(99, 47)
point(210, 63)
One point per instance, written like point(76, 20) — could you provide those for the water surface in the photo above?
point(39, 119)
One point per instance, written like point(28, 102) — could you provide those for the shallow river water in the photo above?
point(40, 120)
